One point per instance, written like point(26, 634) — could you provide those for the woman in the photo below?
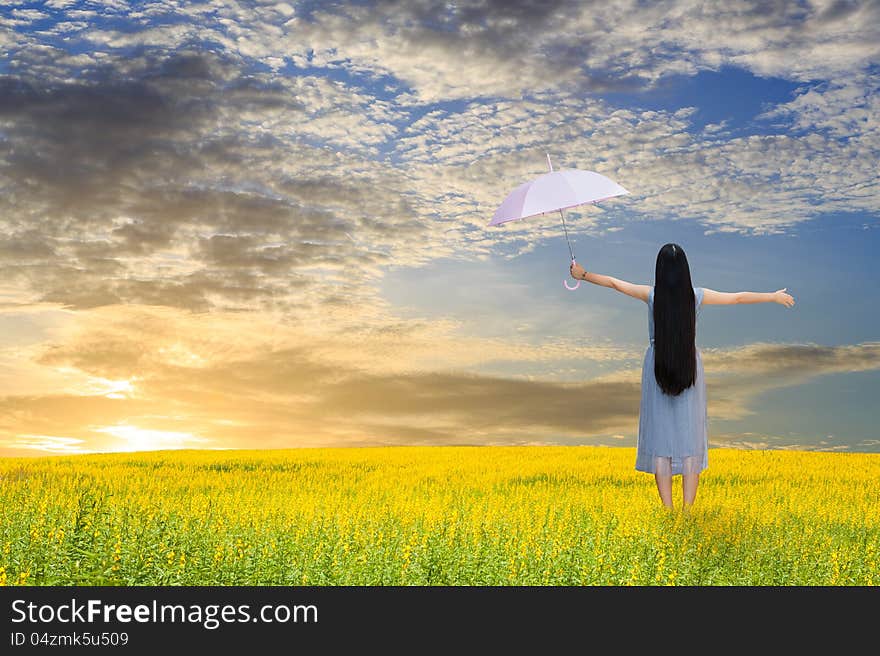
point(673, 426)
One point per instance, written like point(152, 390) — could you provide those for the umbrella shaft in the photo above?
point(570, 251)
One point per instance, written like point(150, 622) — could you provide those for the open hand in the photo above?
point(783, 298)
point(577, 271)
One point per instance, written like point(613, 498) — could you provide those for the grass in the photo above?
point(436, 516)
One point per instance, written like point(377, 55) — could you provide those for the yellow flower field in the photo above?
point(435, 515)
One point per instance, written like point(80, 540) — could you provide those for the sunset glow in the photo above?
point(132, 438)
point(268, 227)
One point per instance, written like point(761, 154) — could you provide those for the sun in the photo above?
point(110, 388)
point(135, 438)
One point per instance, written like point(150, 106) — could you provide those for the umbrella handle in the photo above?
point(576, 285)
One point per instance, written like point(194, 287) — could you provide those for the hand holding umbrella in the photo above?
point(556, 191)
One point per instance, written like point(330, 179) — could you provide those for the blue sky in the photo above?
point(265, 224)
point(732, 96)
point(822, 263)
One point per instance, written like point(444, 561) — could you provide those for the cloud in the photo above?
point(49, 444)
point(508, 49)
point(736, 376)
point(752, 440)
point(199, 202)
point(179, 374)
point(231, 159)
point(169, 152)
point(843, 107)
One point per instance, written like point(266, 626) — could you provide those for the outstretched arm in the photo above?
point(640, 292)
point(711, 297)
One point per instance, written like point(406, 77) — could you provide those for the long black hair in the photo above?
point(675, 357)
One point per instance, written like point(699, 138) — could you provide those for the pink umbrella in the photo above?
point(553, 192)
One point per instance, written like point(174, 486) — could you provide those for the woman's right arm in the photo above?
point(711, 297)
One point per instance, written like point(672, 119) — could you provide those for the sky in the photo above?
point(265, 225)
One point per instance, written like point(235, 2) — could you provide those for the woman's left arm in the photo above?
point(640, 292)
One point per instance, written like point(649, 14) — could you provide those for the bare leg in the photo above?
point(690, 478)
point(663, 476)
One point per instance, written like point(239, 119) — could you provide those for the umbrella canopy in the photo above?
point(554, 192)
point(557, 190)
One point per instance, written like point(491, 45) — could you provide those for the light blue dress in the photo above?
point(673, 430)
